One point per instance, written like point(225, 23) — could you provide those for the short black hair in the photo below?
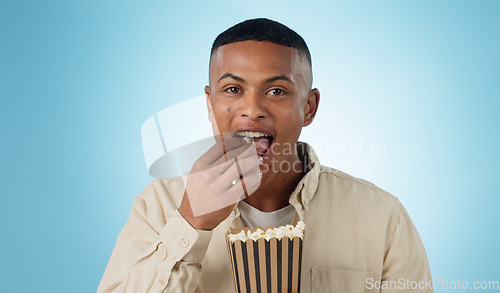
point(262, 29)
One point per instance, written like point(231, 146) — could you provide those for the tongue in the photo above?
point(262, 144)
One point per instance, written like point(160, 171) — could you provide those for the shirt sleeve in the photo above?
point(406, 268)
point(147, 260)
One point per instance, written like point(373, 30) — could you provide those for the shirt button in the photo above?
point(161, 281)
point(185, 242)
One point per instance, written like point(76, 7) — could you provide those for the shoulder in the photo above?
point(328, 173)
point(349, 189)
point(361, 201)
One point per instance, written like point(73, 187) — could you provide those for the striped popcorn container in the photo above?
point(271, 265)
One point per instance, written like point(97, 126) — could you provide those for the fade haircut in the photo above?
point(262, 29)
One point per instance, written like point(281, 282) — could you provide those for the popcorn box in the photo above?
point(269, 265)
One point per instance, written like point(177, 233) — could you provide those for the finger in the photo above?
point(246, 161)
point(210, 156)
point(252, 182)
point(248, 164)
point(218, 151)
point(226, 190)
point(218, 201)
point(247, 167)
point(240, 169)
point(211, 173)
point(227, 137)
point(241, 152)
point(232, 142)
point(231, 174)
point(223, 194)
point(235, 169)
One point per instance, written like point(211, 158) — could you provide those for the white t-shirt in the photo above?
point(252, 217)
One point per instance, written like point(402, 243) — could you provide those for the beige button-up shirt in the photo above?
point(358, 238)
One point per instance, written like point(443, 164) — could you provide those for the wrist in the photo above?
point(197, 223)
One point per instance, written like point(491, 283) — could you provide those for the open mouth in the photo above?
point(262, 141)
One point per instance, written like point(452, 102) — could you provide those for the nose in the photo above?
point(253, 106)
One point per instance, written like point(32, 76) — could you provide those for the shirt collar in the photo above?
point(307, 186)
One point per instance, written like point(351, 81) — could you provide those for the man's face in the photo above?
point(262, 89)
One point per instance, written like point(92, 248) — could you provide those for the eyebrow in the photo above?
point(269, 80)
point(230, 75)
point(279, 77)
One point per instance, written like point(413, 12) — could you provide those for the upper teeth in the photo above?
point(251, 134)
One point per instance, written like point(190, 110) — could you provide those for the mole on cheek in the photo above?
point(228, 109)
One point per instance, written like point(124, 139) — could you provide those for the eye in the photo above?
point(276, 92)
point(233, 90)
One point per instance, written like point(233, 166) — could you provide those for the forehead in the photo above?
point(254, 57)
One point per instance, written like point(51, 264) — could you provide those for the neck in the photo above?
point(275, 193)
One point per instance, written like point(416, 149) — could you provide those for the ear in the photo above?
point(311, 106)
point(211, 116)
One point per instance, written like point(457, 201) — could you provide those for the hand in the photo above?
point(218, 180)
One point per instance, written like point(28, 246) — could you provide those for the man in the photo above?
point(358, 237)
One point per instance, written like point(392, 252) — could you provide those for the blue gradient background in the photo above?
point(78, 79)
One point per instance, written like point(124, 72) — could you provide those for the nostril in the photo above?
point(252, 116)
point(253, 109)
